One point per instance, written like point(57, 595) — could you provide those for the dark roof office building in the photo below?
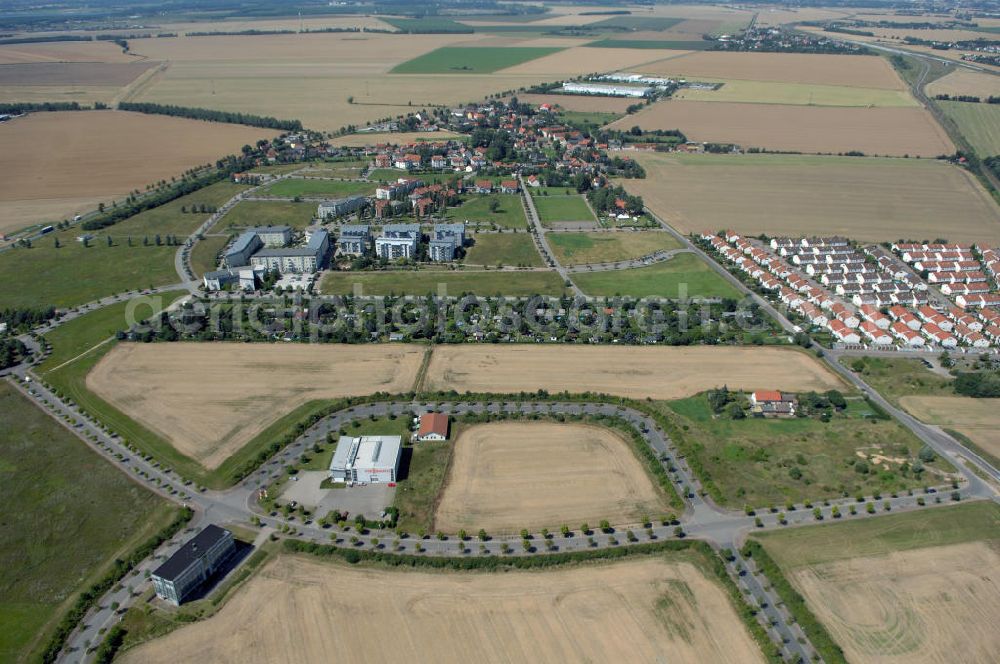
point(193, 563)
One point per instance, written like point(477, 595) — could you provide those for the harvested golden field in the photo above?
point(889, 198)
point(210, 399)
point(394, 138)
point(102, 51)
point(933, 605)
point(979, 419)
point(636, 372)
point(587, 103)
point(847, 70)
point(69, 161)
point(966, 82)
point(71, 74)
point(303, 610)
point(823, 129)
point(584, 60)
point(506, 476)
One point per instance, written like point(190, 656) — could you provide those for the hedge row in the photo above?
point(796, 604)
point(119, 569)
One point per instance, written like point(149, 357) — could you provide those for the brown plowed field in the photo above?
point(850, 70)
point(511, 475)
point(67, 162)
point(305, 611)
point(636, 372)
point(891, 131)
point(935, 605)
point(210, 399)
point(866, 199)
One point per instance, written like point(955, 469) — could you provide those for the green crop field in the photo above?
point(670, 45)
point(684, 275)
point(510, 214)
point(562, 208)
point(589, 119)
point(301, 187)
point(67, 514)
point(471, 59)
point(205, 255)
point(799, 547)
point(409, 282)
point(799, 94)
point(81, 334)
point(584, 248)
point(503, 249)
point(428, 25)
point(73, 274)
point(246, 214)
point(979, 123)
point(764, 462)
point(657, 23)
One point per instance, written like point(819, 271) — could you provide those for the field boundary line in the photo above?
point(425, 363)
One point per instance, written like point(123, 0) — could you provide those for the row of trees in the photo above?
point(24, 318)
point(211, 115)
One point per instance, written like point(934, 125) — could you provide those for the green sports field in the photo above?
point(503, 249)
point(471, 59)
point(684, 275)
point(67, 515)
point(410, 282)
point(979, 123)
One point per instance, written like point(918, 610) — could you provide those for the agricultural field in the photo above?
point(471, 59)
point(506, 476)
point(394, 138)
point(292, 187)
point(493, 249)
point(83, 82)
point(861, 71)
point(59, 52)
point(75, 274)
point(979, 124)
point(452, 282)
point(764, 462)
point(649, 608)
point(890, 198)
point(799, 94)
point(596, 56)
point(209, 400)
point(560, 207)
point(585, 248)
point(917, 587)
point(68, 514)
point(683, 276)
point(894, 131)
point(70, 161)
point(475, 209)
point(636, 372)
point(965, 82)
point(247, 214)
point(976, 419)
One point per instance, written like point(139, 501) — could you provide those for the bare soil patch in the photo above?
point(636, 372)
point(210, 399)
point(848, 70)
point(303, 610)
point(102, 51)
point(76, 157)
point(507, 476)
point(979, 419)
point(929, 605)
point(894, 131)
point(889, 198)
point(73, 73)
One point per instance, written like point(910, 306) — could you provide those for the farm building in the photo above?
point(433, 426)
point(772, 403)
point(192, 564)
point(368, 459)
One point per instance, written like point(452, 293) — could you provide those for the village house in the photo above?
point(771, 403)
